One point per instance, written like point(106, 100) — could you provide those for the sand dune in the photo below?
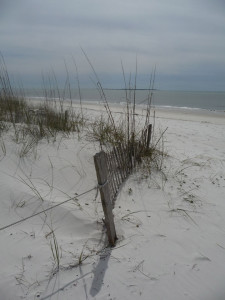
point(170, 225)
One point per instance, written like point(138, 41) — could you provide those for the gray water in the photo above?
point(182, 99)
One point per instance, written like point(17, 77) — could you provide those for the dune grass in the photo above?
point(55, 114)
point(33, 122)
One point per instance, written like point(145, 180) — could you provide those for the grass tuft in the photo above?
point(31, 122)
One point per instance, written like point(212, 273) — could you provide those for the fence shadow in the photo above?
point(99, 272)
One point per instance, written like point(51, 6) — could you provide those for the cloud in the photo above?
point(175, 35)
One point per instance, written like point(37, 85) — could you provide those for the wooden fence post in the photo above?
point(102, 173)
point(149, 136)
point(66, 116)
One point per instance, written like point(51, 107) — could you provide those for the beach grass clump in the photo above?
point(12, 104)
point(126, 133)
point(101, 131)
point(52, 120)
point(153, 160)
point(12, 107)
point(36, 121)
point(140, 143)
point(4, 127)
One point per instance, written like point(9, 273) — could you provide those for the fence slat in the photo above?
point(112, 182)
point(115, 167)
point(117, 161)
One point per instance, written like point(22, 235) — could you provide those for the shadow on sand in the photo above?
point(99, 272)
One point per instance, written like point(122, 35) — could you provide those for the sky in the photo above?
point(184, 39)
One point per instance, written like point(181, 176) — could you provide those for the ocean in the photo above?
point(179, 99)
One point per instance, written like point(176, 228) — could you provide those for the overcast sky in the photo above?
point(185, 39)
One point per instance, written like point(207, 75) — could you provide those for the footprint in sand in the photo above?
point(200, 258)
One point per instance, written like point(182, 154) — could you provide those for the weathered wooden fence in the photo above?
point(112, 169)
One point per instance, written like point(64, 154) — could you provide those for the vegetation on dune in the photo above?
point(43, 120)
point(32, 122)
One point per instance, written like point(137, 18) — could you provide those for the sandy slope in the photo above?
point(170, 226)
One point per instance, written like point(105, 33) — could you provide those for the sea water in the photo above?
point(180, 99)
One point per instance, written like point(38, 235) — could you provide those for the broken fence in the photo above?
point(112, 169)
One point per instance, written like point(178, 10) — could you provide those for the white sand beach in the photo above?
point(170, 225)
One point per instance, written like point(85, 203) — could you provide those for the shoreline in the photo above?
point(176, 113)
point(164, 112)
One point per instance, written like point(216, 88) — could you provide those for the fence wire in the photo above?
point(47, 209)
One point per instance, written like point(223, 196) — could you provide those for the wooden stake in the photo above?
point(102, 172)
point(149, 136)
